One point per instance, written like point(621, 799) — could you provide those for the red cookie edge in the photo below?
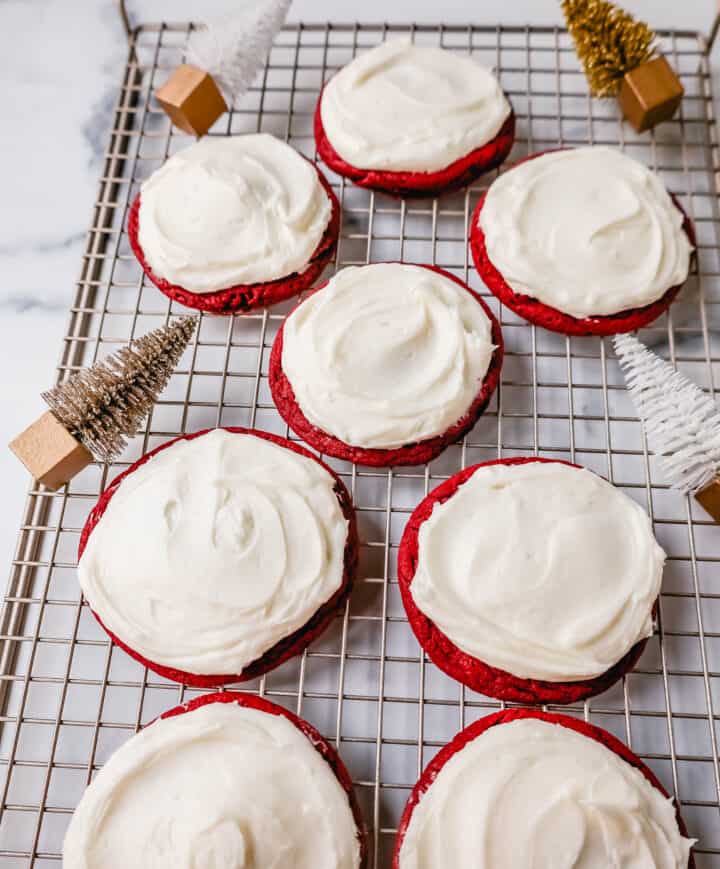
point(536, 312)
point(319, 743)
point(411, 454)
point(453, 177)
point(505, 716)
point(459, 665)
point(246, 297)
point(289, 646)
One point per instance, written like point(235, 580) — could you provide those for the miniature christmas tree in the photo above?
point(224, 57)
point(681, 421)
point(95, 411)
point(236, 46)
point(620, 58)
point(608, 41)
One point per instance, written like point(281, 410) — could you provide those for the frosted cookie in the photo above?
point(227, 780)
point(219, 555)
point(583, 241)
point(234, 223)
point(386, 364)
point(530, 580)
point(413, 120)
point(527, 788)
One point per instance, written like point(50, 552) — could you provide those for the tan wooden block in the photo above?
point(191, 99)
point(709, 498)
point(51, 454)
point(649, 94)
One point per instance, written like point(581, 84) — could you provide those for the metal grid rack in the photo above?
point(69, 698)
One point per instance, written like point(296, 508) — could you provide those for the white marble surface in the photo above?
point(60, 63)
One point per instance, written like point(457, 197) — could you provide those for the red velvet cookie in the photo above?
point(410, 454)
point(459, 665)
point(458, 174)
point(540, 314)
point(290, 645)
point(473, 731)
point(246, 297)
point(323, 748)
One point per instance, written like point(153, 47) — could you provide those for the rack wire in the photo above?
point(69, 697)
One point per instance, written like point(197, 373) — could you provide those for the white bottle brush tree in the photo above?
point(681, 421)
point(233, 48)
point(223, 59)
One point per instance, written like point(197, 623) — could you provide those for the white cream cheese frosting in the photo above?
point(214, 550)
point(232, 210)
point(534, 794)
point(587, 231)
point(543, 570)
point(387, 354)
point(404, 107)
point(221, 787)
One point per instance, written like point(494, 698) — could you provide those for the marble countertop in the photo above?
point(59, 68)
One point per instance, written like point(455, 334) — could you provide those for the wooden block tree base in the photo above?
point(650, 93)
point(709, 498)
point(51, 454)
point(191, 99)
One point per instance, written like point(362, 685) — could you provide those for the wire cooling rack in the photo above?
point(69, 698)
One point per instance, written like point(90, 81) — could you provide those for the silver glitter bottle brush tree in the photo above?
point(223, 58)
point(681, 421)
point(94, 412)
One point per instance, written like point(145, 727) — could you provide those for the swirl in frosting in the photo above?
point(387, 354)
point(221, 787)
point(587, 231)
point(534, 794)
point(214, 550)
point(543, 570)
point(232, 210)
point(410, 108)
